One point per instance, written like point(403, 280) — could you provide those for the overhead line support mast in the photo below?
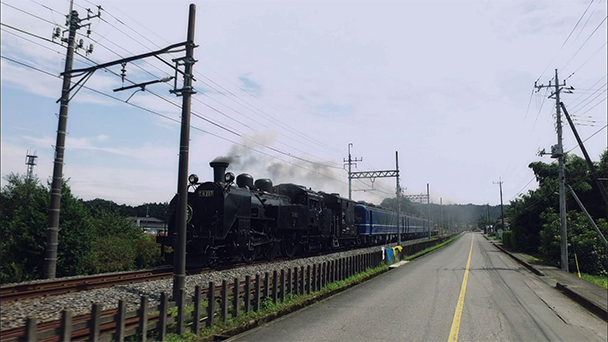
point(381, 174)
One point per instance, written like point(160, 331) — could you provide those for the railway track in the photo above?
point(20, 291)
point(11, 293)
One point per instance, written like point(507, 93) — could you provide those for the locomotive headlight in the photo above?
point(193, 179)
point(229, 177)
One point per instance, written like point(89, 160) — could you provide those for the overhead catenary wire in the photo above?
point(173, 119)
point(565, 41)
point(246, 104)
point(234, 96)
point(200, 116)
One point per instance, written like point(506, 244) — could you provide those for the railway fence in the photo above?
point(215, 304)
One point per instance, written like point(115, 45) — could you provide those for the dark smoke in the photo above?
point(315, 176)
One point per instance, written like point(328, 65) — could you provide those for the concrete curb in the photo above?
point(584, 302)
point(572, 294)
point(523, 263)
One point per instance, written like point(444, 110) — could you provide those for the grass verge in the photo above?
point(597, 280)
point(431, 249)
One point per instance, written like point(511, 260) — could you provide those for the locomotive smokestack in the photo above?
point(219, 169)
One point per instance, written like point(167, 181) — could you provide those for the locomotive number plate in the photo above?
point(205, 193)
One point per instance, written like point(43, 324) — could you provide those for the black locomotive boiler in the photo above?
point(250, 220)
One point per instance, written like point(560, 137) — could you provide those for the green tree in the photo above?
point(583, 241)
point(529, 213)
point(23, 210)
point(24, 219)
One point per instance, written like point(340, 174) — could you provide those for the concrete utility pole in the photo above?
point(398, 200)
point(557, 151)
point(502, 211)
point(350, 162)
point(52, 237)
point(85, 74)
point(441, 212)
point(428, 203)
point(179, 271)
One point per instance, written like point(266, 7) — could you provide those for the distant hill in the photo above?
point(156, 210)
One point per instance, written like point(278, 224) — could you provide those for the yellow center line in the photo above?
point(458, 314)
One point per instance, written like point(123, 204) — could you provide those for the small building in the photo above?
point(150, 225)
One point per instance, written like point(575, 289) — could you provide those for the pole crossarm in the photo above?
point(416, 198)
point(375, 174)
point(167, 49)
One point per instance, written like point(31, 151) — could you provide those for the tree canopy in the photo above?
point(535, 215)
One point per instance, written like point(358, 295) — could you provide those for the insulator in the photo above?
point(81, 43)
point(57, 32)
point(90, 50)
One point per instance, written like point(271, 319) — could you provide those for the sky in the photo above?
point(284, 87)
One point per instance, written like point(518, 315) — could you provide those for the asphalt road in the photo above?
point(420, 300)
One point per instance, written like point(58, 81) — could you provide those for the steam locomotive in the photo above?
point(251, 220)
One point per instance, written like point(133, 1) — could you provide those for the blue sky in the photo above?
point(448, 84)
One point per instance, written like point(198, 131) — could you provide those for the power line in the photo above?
point(591, 136)
point(585, 42)
point(211, 121)
point(177, 121)
point(579, 20)
point(249, 106)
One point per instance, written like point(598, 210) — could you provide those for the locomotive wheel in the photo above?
point(290, 248)
point(270, 250)
point(249, 256)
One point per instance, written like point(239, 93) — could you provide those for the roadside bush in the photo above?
point(112, 254)
point(508, 239)
point(147, 252)
point(582, 239)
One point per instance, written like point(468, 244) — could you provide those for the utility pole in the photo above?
point(85, 74)
point(52, 238)
point(179, 271)
point(441, 212)
point(557, 151)
point(502, 212)
point(350, 162)
point(398, 199)
point(487, 218)
point(428, 203)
